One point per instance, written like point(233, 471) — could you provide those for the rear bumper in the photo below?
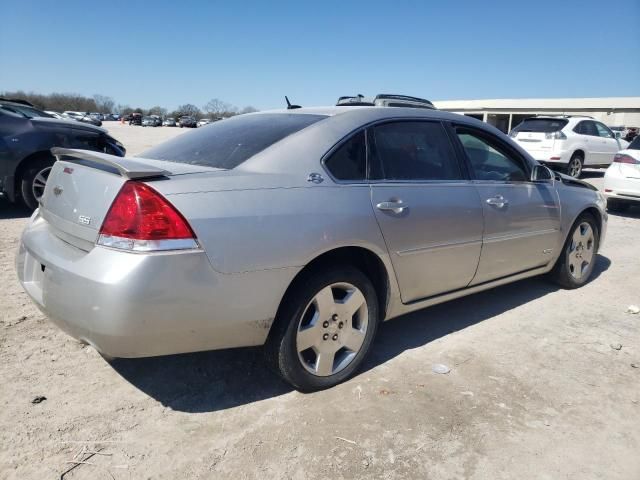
point(138, 305)
point(621, 187)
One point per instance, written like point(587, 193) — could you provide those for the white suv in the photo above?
point(568, 143)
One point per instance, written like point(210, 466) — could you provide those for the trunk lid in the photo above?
point(83, 184)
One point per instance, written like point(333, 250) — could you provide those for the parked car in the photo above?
point(189, 122)
point(169, 122)
point(26, 137)
point(204, 121)
point(568, 143)
point(622, 178)
point(149, 122)
point(157, 119)
point(54, 114)
point(135, 119)
point(82, 117)
point(630, 134)
point(300, 230)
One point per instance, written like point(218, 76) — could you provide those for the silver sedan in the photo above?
point(300, 230)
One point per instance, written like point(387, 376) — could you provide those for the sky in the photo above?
point(157, 52)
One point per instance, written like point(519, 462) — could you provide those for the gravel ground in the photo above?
point(544, 384)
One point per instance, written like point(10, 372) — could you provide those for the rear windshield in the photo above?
point(228, 143)
point(635, 145)
point(543, 125)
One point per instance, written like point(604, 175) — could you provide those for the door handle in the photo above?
point(498, 201)
point(395, 206)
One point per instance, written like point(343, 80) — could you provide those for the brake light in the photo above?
point(624, 158)
point(140, 219)
point(556, 135)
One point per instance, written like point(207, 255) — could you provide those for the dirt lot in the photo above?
point(544, 384)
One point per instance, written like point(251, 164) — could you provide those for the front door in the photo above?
point(429, 213)
point(521, 217)
point(609, 144)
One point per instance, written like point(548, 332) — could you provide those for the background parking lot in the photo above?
point(544, 383)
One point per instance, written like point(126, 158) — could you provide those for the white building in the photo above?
point(507, 113)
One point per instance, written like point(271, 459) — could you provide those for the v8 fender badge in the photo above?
point(83, 220)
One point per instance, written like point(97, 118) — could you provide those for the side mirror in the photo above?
point(540, 173)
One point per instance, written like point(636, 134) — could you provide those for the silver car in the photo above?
point(298, 229)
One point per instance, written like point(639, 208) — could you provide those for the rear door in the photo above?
point(427, 208)
point(521, 218)
point(591, 140)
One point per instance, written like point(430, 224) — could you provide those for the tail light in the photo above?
point(555, 135)
point(142, 220)
point(624, 158)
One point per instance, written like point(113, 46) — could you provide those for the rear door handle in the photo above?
point(395, 206)
point(498, 201)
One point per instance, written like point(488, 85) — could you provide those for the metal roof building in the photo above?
point(507, 113)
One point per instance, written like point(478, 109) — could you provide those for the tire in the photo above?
point(574, 167)
point(312, 312)
point(33, 180)
point(571, 270)
point(614, 205)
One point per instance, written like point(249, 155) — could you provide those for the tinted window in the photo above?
point(635, 145)
point(228, 143)
point(349, 162)
point(414, 151)
point(586, 128)
point(544, 125)
point(603, 131)
point(490, 161)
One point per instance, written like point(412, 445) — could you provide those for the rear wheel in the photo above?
point(33, 181)
point(575, 264)
point(325, 329)
point(574, 168)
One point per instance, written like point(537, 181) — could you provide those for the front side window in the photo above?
point(413, 151)
point(489, 161)
point(603, 131)
point(349, 161)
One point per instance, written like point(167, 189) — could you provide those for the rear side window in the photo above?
point(541, 125)
point(586, 128)
point(413, 151)
point(228, 143)
point(349, 161)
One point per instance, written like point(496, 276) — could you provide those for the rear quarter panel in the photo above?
point(247, 230)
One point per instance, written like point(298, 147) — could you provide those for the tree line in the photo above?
point(60, 102)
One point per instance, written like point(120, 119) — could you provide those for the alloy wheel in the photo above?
point(581, 250)
point(40, 182)
point(332, 329)
point(575, 167)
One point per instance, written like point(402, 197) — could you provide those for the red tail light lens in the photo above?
point(623, 158)
point(143, 220)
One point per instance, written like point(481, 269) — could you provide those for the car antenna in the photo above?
point(289, 106)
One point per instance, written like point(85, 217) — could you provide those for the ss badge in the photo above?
point(84, 220)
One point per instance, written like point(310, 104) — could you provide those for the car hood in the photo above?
point(567, 180)
point(63, 122)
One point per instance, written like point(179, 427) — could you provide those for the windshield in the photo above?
point(229, 143)
point(540, 125)
point(24, 110)
point(635, 145)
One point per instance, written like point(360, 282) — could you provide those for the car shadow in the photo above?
point(592, 173)
point(11, 210)
point(218, 380)
point(633, 211)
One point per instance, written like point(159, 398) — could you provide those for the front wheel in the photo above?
point(33, 181)
point(325, 329)
point(575, 264)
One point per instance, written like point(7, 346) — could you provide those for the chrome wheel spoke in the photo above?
point(352, 303)
point(324, 363)
point(354, 340)
point(325, 303)
point(40, 182)
point(308, 338)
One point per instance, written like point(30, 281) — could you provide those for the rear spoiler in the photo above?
point(126, 167)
